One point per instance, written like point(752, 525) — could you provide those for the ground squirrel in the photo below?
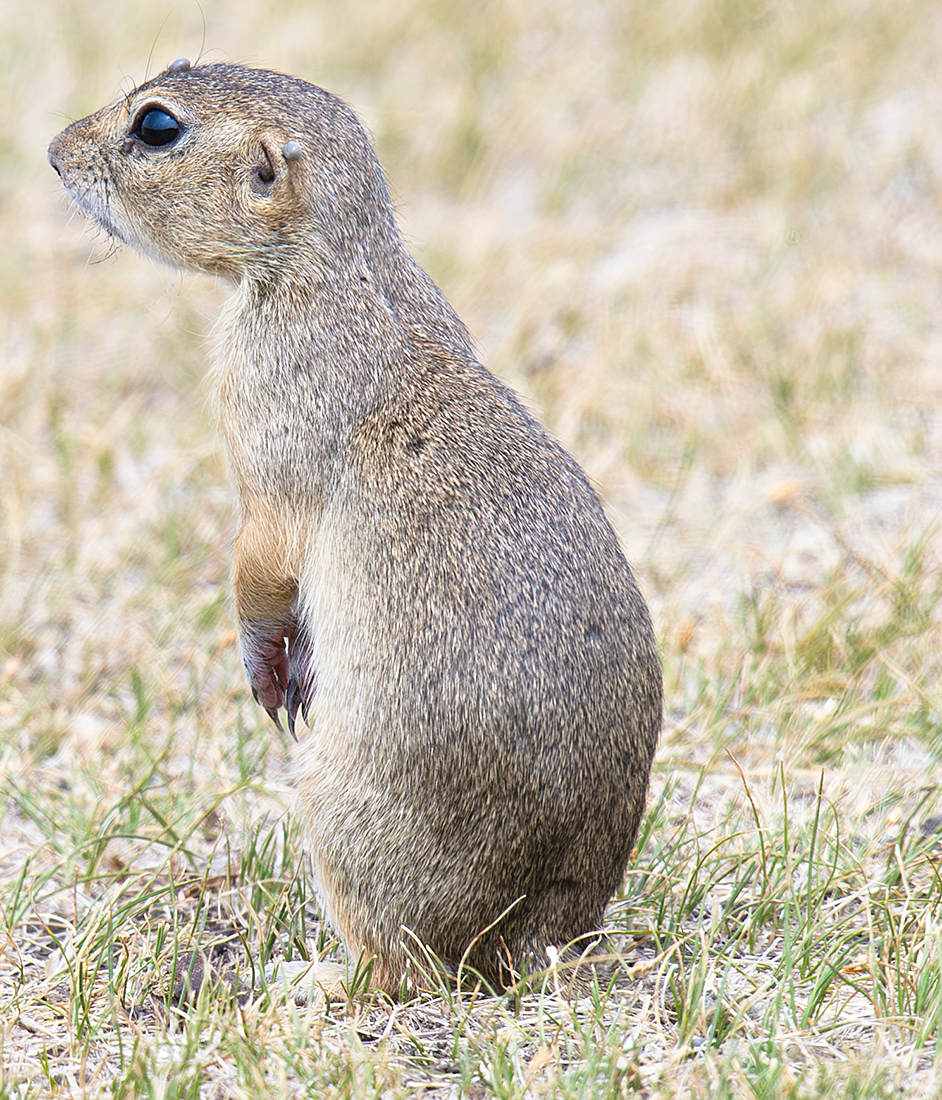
point(420, 568)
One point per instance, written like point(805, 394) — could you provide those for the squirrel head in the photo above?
point(218, 167)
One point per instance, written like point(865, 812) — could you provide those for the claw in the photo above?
point(292, 700)
point(272, 713)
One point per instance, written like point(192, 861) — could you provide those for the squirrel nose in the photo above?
point(51, 156)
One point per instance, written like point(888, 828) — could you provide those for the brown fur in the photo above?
point(420, 567)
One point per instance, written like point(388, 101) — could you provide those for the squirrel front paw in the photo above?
point(302, 678)
point(278, 662)
point(264, 647)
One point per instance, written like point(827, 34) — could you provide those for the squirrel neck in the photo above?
point(305, 354)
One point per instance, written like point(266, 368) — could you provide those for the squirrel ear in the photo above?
point(291, 150)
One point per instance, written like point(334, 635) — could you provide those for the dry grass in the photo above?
point(703, 238)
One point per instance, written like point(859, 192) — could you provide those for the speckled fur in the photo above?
point(478, 665)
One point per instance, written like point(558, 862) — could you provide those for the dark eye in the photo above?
point(157, 128)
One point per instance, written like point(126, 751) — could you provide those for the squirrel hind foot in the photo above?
point(307, 982)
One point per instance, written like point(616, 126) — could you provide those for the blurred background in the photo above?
point(701, 237)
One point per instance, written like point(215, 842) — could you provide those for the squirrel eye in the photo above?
point(157, 128)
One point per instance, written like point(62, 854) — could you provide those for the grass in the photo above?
point(702, 239)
